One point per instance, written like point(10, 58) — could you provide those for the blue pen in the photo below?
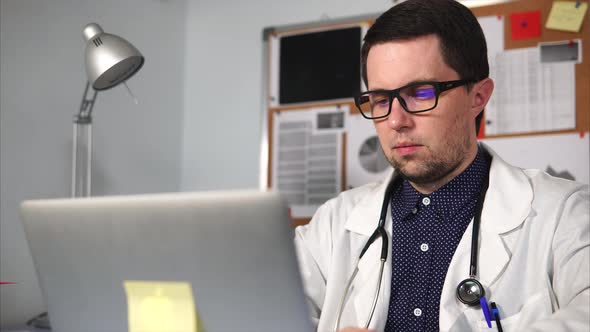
point(496, 315)
point(486, 310)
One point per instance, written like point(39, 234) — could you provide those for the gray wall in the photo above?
point(223, 96)
point(137, 148)
point(197, 126)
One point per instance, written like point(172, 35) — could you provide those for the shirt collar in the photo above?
point(405, 199)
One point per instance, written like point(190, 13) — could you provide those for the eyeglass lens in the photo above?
point(414, 98)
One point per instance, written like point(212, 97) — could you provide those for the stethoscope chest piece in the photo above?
point(470, 291)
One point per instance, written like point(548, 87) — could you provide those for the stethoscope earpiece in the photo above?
point(470, 291)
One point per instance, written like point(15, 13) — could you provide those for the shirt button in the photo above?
point(417, 312)
point(424, 247)
point(414, 210)
point(426, 201)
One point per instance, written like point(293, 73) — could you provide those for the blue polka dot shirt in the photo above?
point(426, 232)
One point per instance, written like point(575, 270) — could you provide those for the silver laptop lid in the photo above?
point(234, 248)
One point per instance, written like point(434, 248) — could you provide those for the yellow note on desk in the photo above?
point(567, 15)
point(154, 306)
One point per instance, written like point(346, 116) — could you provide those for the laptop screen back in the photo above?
point(235, 249)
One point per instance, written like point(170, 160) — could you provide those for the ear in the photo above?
point(481, 93)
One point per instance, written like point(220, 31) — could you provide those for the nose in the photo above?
point(398, 118)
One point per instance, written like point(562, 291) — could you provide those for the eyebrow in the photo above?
point(430, 79)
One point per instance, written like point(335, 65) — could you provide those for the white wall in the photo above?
point(223, 95)
point(136, 147)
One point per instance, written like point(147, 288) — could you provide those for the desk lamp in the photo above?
point(110, 60)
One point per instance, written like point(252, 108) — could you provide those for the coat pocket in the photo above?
point(537, 307)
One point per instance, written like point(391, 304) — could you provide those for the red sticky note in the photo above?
point(525, 25)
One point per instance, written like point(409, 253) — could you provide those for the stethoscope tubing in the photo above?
point(341, 305)
point(375, 296)
point(380, 232)
point(475, 233)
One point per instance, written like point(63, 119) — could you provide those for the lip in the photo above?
point(406, 149)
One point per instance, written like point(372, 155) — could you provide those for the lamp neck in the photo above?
point(86, 105)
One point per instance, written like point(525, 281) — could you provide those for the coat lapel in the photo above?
point(506, 206)
point(363, 221)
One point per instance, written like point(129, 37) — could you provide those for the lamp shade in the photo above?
point(110, 59)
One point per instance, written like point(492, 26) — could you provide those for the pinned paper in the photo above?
point(567, 15)
point(154, 306)
point(525, 25)
point(561, 51)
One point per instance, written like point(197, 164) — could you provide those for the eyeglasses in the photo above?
point(415, 98)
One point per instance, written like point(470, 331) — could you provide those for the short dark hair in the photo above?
point(462, 42)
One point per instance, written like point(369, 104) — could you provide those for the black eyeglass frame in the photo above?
point(439, 87)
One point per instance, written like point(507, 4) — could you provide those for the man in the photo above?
point(425, 67)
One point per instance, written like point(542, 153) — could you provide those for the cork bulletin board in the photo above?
point(308, 129)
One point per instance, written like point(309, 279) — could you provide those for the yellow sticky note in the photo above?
point(155, 306)
point(567, 15)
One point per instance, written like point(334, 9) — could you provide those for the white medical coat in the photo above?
point(534, 256)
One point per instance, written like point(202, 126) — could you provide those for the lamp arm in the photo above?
point(86, 105)
point(82, 146)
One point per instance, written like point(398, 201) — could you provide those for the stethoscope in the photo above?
point(469, 291)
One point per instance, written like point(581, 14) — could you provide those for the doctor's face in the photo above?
point(428, 148)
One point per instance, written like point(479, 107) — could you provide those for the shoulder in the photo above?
point(553, 187)
point(332, 216)
point(552, 200)
point(544, 187)
point(516, 194)
point(564, 200)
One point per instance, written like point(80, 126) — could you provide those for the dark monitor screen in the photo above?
point(320, 66)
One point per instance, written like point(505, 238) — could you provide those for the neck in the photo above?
point(432, 186)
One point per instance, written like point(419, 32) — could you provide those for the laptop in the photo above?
point(234, 249)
